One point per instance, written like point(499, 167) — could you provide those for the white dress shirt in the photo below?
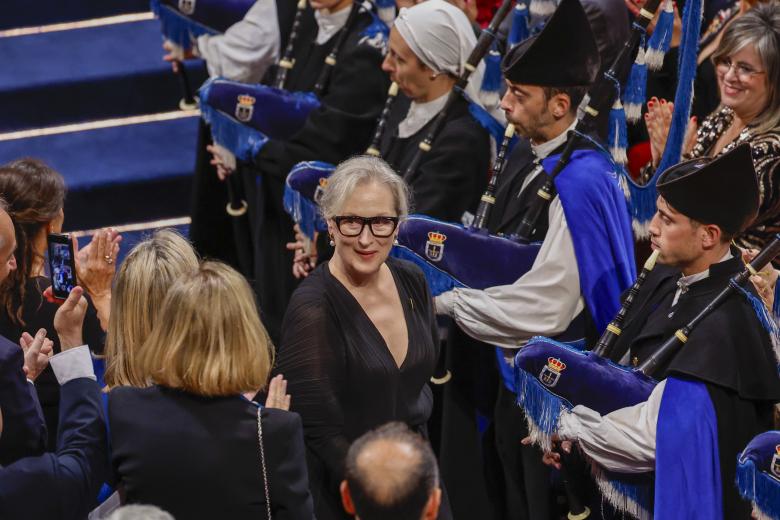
point(419, 115)
point(544, 301)
point(246, 50)
point(72, 364)
point(330, 23)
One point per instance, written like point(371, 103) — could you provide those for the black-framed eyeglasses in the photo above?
point(352, 225)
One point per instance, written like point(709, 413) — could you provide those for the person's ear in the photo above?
point(346, 498)
point(432, 505)
point(710, 235)
point(560, 105)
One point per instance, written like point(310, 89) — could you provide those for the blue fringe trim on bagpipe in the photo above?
point(439, 281)
point(242, 141)
point(630, 494)
point(760, 488)
point(178, 28)
point(661, 39)
point(303, 212)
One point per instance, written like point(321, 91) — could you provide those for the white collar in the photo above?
point(543, 150)
point(330, 23)
point(419, 114)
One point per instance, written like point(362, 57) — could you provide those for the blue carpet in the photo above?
point(23, 13)
point(87, 74)
point(121, 174)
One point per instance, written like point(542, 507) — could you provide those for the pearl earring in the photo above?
point(395, 241)
point(331, 242)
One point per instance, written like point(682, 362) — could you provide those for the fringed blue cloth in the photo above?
point(438, 281)
point(661, 39)
point(765, 317)
point(302, 189)
point(687, 464)
point(634, 93)
point(243, 117)
point(386, 10)
point(598, 219)
point(686, 73)
point(378, 31)
point(471, 258)
point(493, 78)
point(184, 20)
point(643, 197)
point(519, 30)
point(758, 474)
point(618, 133)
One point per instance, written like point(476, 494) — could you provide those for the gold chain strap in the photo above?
point(262, 463)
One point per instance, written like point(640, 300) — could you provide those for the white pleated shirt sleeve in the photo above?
point(544, 301)
point(622, 441)
point(246, 50)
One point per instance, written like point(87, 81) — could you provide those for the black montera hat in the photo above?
point(722, 191)
point(564, 54)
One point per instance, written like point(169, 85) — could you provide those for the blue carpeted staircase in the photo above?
point(92, 97)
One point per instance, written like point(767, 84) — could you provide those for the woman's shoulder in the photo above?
point(311, 292)
point(408, 272)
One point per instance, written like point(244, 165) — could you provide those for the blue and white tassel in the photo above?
point(542, 8)
point(661, 39)
point(618, 134)
point(386, 11)
point(490, 89)
point(636, 86)
point(519, 31)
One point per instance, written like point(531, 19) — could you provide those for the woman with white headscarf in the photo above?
point(429, 44)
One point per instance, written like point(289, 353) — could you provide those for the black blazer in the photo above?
point(62, 485)
point(24, 430)
point(198, 457)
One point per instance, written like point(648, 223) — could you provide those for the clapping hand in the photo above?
point(95, 263)
point(37, 351)
point(277, 394)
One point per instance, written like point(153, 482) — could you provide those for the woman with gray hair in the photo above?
point(359, 339)
point(747, 66)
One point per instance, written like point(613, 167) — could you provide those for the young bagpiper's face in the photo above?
point(674, 235)
point(528, 109)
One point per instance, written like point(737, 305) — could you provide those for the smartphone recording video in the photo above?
point(62, 266)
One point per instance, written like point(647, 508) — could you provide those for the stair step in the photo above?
point(85, 74)
point(117, 170)
point(21, 13)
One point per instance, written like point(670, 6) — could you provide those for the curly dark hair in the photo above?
point(35, 195)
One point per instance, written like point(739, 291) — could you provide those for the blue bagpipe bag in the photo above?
point(184, 20)
point(758, 475)
point(243, 117)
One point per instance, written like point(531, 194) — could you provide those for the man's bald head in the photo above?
point(7, 242)
point(391, 473)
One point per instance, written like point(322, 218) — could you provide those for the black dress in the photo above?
point(38, 313)
point(351, 102)
point(342, 377)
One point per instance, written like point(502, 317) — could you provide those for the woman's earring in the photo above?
point(331, 242)
point(395, 241)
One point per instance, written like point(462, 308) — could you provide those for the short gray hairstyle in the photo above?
point(357, 171)
point(760, 27)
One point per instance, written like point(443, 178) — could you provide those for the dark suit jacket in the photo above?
point(198, 457)
point(24, 430)
point(61, 485)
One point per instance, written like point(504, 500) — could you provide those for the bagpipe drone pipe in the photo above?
point(552, 377)
point(183, 21)
point(758, 475)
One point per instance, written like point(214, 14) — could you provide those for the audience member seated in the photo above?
point(359, 339)
point(145, 276)
point(35, 195)
point(391, 474)
point(63, 485)
point(191, 443)
point(747, 65)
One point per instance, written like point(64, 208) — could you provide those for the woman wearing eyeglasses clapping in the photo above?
point(359, 339)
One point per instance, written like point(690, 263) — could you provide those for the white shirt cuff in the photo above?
point(73, 364)
point(445, 303)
